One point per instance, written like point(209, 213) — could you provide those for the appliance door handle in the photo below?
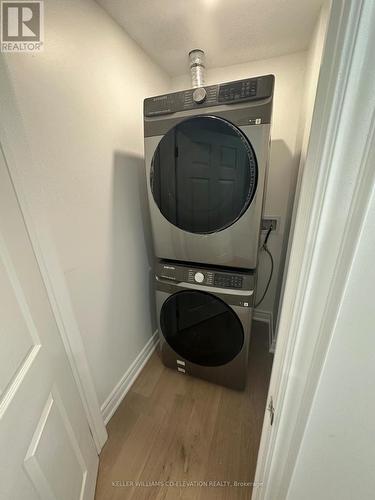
point(213, 289)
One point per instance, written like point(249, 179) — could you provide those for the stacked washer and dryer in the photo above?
point(206, 152)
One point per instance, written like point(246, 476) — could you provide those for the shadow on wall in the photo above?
point(292, 187)
point(280, 191)
point(132, 252)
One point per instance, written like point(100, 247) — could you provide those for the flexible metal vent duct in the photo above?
point(197, 67)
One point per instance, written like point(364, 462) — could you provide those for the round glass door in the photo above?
point(203, 174)
point(201, 328)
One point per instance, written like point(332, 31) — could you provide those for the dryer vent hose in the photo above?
point(197, 67)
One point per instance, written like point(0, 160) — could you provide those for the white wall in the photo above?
point(289, 71)
point(313, 62)
point(314, 59)
point(336, 457)
point(337, 454)
point(81, 103)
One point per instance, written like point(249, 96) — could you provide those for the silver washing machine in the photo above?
point(206, 153)
point(204, 317)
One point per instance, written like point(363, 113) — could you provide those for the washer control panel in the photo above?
point(199, 277)
point(217, 279)
point(228, 280)
point(205, 276)
point(250, 89)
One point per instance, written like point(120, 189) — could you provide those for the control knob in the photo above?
point(199, 95)
point(199, 277)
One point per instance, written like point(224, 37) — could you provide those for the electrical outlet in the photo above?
point(268, 222)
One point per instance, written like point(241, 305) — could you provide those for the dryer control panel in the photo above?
point(205, 276)
point(250, 89)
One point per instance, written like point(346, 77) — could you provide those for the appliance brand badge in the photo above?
point(169, 267)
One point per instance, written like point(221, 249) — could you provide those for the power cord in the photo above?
point(265, 248)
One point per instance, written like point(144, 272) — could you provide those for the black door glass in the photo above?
point(203, 174)
point(201, 328)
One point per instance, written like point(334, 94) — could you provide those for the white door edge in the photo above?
point(15, 149)
point(337, 184)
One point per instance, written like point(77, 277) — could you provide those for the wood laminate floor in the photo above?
point(174, 428)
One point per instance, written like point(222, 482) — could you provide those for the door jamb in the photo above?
point(16, 150)
point(336, 186)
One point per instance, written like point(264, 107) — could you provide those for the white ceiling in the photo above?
point(229, 31)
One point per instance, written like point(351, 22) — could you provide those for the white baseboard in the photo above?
point(266, 317)
point(113, 401)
